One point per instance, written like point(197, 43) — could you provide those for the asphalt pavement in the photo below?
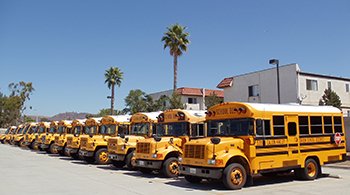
point(27, 172)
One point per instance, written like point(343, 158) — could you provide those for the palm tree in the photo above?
point(113, 76)
point(176, 39)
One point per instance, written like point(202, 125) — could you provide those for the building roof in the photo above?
point(324, 76)
point(199, 91)
point(226, 82)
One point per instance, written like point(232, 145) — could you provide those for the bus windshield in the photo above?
point(24, 130)
point(108, 129)
point(231, 127)
point(140, 129)
point(30, 130)
point(52, 130)
point(77, 130)
point(61, 129)
point(91, 130)
point(173, 129)
point(41, 130)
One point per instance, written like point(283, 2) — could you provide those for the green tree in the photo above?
point(212, 100)
point(113, 76)
point(161, 103)
point(177, 40)
point(175, 101)
point(136, 101)
point(330, 98)
point(23, 90)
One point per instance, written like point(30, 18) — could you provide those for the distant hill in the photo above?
point(61, 116)
point(68, 116)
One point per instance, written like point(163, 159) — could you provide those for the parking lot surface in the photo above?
point(23, 171)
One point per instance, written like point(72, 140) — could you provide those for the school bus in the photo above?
point(20, 136)
point(175, 127)
point(94, 144)
point(245, 139)
point(48, 139)
point(73, 140)
point(34, 138)
point(9, 137)
point(121, 149)
point(8, 131)
point(64, 128)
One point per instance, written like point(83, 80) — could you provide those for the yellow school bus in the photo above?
point(94, 144)
point(245, 139)
point(64, 128)
point(9, 137)
point(35, 139)
point(175, 127)
point(121, 149)
point(8, 131)
point(20, 136)
point(48, 139)
point(73, 140)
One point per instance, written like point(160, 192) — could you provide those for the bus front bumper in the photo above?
point(71, 151)
point(202, 172)
point(116, 157)
point(86, 153)
point(44, 146)
point(149, 164)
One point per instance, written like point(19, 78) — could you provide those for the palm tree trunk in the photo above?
point(112, 100)
point(175, 72)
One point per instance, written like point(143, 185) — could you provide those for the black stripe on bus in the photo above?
point(316, 143)
point(271, 153)
point(318, 135)
point(293, 145)
point(271, 137)
point(322, 149)
point(272, 146)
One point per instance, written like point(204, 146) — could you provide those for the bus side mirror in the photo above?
point(157, 139)
point(122, 135)
point(215, 140)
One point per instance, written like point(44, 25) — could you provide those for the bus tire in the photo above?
point(101, 156)
point(130, 161)
point(234, 176)
point(52, 149)
point(193, 179)
point(171, 167)
point(310, 171)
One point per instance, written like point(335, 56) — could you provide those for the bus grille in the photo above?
point(43, 138)
point(143, 148)
point(112, 144)
point(83, 142)
point(69, 140)
point(194, 151)
point(56, 139)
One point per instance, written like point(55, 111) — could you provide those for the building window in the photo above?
point(329, 84)
point(311, 85)
point(347, 87)
point(192, 100)
point(348, 113)
point(253, 90)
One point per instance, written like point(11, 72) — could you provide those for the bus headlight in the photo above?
point(123, 148)
point(154, 155)
point(180, 159)
point(211, 162)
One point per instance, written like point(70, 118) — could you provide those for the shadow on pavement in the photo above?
point(218, 185)
point(80, 162)
point(137, 173)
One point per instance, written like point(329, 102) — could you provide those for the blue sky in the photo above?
point(65, 46)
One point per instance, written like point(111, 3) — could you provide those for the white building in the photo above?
point(192, 98)
point(295, 87)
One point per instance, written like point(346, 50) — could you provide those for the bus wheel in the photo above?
point(310, 171)
point(52, 149)
point(234, 176)
point(130, 160)
point(193, 179)
point(101, 156)
point(171, 167)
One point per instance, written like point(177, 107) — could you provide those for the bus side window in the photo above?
point(327, 121)
point(278, 125)
point(338, 127)
point(263, 127)
point(316, 124)
point(292, 128)
point(303, 125)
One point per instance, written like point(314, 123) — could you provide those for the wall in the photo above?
point(267, 81)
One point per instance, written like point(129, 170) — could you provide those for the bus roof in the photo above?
point(78, 121)
point(292, 108)
point(116, 119)
point(150, 115)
